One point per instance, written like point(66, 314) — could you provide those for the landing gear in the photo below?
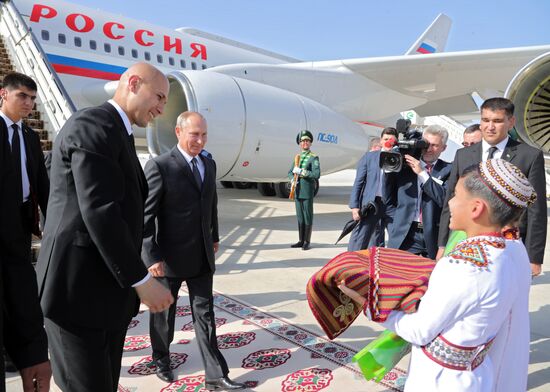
point(266, 189)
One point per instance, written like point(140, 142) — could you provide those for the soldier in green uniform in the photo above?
point(304, 172)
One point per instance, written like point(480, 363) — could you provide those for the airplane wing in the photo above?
point(375, 88)
point(446, 75)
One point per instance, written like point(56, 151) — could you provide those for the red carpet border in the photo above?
point(264, 351)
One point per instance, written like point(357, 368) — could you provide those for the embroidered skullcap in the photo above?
point(508, 182)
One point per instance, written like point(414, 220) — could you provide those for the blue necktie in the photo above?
point(196, 173)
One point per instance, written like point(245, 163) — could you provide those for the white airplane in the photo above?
point(255, 101)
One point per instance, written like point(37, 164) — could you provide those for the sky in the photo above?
point(329, 30)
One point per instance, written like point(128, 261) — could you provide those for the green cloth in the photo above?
point(455, 237)
point(381, 355)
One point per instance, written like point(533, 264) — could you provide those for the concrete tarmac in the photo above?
point(256, 265)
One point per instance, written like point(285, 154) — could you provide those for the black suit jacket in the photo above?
point(403, 188)
point(181, 220)
point(25, 338)
point(39, 185)
point(531, 163)
point(90, 255)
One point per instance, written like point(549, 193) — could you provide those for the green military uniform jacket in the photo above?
point(311, 171)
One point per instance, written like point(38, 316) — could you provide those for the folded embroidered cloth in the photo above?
point(387, 278)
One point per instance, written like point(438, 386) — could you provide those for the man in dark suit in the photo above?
point(181, 237)
point(418, 192)
point(497, 118)
point(24, 186)
point(368, 189)
point(90, 271)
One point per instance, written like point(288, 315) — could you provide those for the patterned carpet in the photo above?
point(265, 352)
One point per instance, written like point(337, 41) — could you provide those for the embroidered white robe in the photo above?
point(469, 301)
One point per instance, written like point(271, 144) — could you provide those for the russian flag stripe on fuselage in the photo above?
point(90, 69)
point(425, 48)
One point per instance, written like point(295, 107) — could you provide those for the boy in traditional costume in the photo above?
point(471, 329)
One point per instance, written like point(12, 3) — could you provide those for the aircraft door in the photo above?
point(219, 100)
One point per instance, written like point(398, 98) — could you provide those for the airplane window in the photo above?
point(45, 35)
point(194, 65)
point(182, 63)
point(61, 38)
point(171, 60)
point(93, 45)
point(107, 48)
point(121, 50)
point(204, 66)
point(134, 53)
point(159, 59)
point(77, 42)
point(147, 56)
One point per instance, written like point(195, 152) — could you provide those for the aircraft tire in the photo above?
point(282, 189)
point(266, 189)
point(227, 184)
point(241, 185)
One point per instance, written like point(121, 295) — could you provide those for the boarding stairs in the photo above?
point(21, 52)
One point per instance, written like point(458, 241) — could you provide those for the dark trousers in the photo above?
point(85, 359)
point(414, 241)
point(370, 229)
point(23, 329)
point(304, 211)
point(161, 325)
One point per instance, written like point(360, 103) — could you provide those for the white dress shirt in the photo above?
point(498, 153)
point(188, 158)
point(124, 117)
point(24, 175)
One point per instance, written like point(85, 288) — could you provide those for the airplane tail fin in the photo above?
point(434, 39)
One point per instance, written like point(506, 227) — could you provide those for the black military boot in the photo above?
point(299, 244)
point(307, 237)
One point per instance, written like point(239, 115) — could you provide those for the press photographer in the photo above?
point(409, 142)
point(417, 192)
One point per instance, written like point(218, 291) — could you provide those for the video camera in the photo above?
point(410, 142)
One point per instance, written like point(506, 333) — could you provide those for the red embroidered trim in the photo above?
point(475, 250)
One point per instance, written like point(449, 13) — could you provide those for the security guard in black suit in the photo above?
point(304, 173)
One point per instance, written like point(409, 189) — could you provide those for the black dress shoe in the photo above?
point(223, 383)
point(165, 373)
point(298, 244)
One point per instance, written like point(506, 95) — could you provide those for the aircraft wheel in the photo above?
point(226, 184)
point(282, 189)
point(266, 189)
point(241, 184)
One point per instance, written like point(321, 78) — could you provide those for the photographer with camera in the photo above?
point(417, 192)
point(367, 197)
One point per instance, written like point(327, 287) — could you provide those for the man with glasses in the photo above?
point(472, 135)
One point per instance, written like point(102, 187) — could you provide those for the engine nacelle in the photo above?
point(530, 92)
point(252, 127)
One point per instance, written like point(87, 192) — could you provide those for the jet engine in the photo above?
point(530, 92)
point(252, 127)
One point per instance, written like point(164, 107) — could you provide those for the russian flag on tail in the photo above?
point(425, 48)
